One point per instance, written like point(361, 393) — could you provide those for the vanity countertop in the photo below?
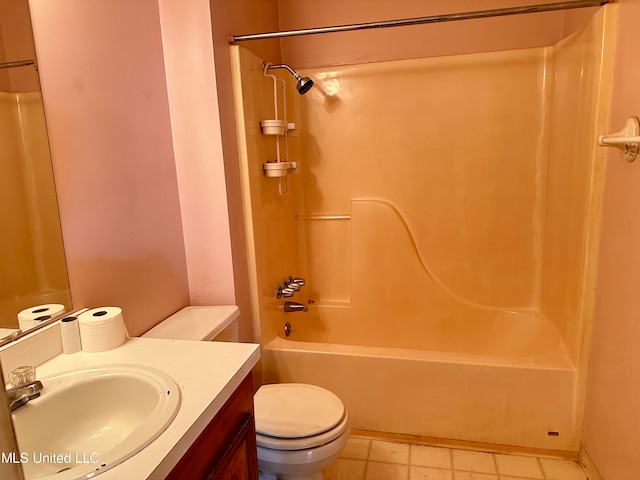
point(207, 373)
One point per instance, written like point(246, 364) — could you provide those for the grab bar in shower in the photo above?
point(626, 139)
point(323, 217)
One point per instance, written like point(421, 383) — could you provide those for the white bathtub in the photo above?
point(506, 381)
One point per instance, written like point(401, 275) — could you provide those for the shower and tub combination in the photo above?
point(445, 216)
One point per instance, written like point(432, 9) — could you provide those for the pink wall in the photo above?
point(229, 17)
point(16, 43)
point(574, 19)
point(156, 231)
point(159, 155)
point(5, 80)
point(105, 96)
point(195, 124)
point(612, 423)
point(453, 38)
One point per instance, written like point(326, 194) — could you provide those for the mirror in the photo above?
point(32, 263)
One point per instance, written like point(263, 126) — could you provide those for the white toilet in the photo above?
point(301, 428)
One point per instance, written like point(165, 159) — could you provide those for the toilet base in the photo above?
point(300, 464)
point(301, 476)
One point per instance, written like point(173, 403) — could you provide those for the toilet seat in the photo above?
point(297, 416)
point(304, 443)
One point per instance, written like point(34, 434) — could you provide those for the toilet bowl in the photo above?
point(300, 428)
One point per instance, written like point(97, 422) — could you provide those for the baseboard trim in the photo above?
point(468, 445)
point(587, 464)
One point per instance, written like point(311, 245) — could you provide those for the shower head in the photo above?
point(304, 83)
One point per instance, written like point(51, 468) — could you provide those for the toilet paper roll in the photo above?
point(70, 333)
point(102, 329)
point(32, 316)
point(41, 312)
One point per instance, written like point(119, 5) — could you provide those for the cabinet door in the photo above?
point(237, 463)
point(226, 448)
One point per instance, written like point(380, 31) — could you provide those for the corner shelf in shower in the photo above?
point(279, 169)
point(276, 127)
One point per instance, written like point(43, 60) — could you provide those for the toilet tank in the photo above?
point(207, 323)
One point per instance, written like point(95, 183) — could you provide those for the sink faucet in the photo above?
point(25, 387)
point(18, 396)
point(295, 307)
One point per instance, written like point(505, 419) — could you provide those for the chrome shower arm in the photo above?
point(283, 65)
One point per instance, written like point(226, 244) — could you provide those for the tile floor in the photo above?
point(370, 459)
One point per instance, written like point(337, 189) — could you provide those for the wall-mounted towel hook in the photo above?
point(626, 139)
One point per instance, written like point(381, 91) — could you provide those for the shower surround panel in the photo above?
point(452, 298)
point(29, 196)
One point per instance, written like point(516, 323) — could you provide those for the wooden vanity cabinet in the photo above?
point(226, 449)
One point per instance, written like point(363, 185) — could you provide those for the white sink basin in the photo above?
point(90, 420)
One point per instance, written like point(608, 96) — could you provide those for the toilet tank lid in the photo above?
point(195, 323)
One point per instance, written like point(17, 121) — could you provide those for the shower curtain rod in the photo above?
point(499, 12)
point(20, 63)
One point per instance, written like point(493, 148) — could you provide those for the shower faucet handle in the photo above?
point(284, 292)
point(297, 280)
point(290, 286)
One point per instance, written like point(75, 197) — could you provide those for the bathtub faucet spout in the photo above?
point(295, 307)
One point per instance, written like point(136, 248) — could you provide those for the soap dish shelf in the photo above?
point(280, 169)
point(627, 139)
point(276, 127)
